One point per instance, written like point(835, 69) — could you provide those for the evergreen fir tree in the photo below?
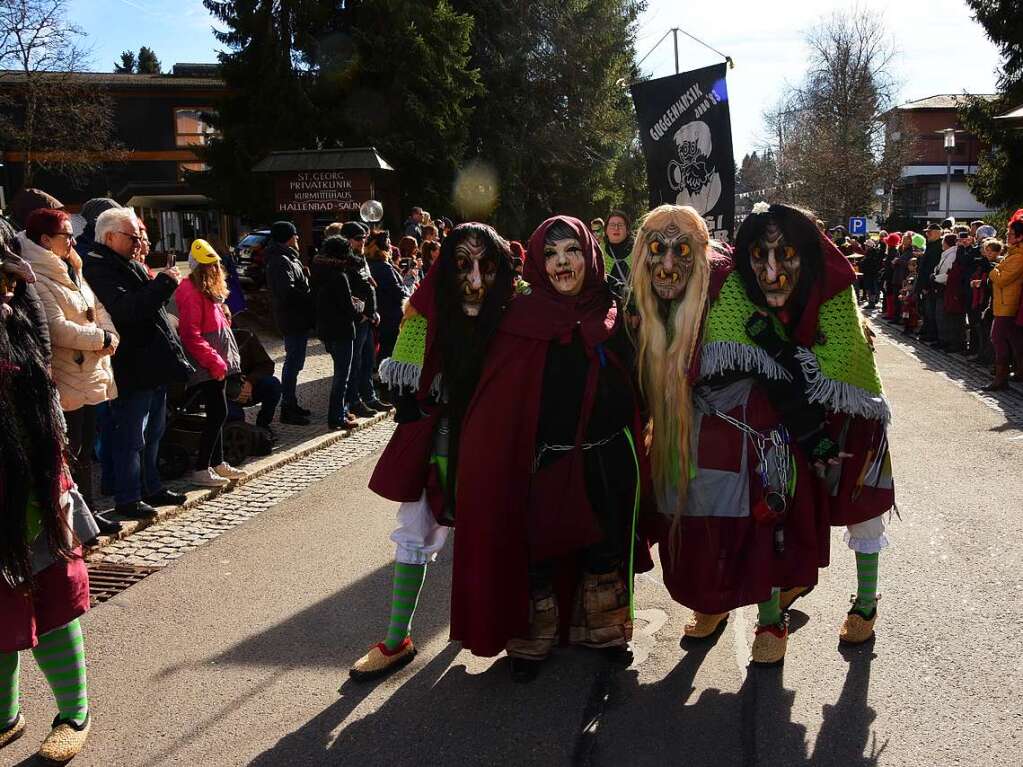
point(148, 64)
point(127, 64)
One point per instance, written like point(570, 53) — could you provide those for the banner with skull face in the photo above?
point(686, 130)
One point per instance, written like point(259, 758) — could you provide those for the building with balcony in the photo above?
point(923, 191)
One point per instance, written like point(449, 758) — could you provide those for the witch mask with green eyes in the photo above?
point(670, 255)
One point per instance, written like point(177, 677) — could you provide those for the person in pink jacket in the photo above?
point(205, 328)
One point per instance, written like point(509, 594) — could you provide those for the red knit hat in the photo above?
point(48, 221)
point(893, 240)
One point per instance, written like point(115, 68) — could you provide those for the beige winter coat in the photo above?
point(82, 375)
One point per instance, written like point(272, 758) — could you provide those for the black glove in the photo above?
point(760, 329)
point(406, 408)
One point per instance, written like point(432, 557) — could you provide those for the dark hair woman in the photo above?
point(44, 586)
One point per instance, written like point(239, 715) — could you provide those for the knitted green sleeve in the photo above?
point(401, 371)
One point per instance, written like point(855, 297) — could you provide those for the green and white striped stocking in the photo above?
point(408, 582)
point(61, 657)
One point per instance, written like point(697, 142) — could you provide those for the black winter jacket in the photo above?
point(290, 296)
point(391, 292)
point(149, 353)
point(361, 283)
point(332, 296)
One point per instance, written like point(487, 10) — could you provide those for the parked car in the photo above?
point(249, 256)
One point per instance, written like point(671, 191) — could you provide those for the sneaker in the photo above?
point(166, 498)
point(360, 410)
point(227, 471)
point(136, 510)
point(207, 478)
point(351, 420)
point(301, 410)
point(380, 407)
point(293, 418)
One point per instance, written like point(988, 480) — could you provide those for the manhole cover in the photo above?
point(107, 579)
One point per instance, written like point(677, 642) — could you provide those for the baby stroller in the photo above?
point(185, 420)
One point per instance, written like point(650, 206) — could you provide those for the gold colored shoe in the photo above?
point(543, 630)
point(12, 733)
point(65, 740)
point(703, 625)
point(380, 661)
point(600, 615)
point(788, 596)
point(855, 628)
point(769, 644)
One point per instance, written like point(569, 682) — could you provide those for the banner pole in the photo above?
point(675, 33)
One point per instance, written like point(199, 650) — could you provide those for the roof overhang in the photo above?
point(355, 158)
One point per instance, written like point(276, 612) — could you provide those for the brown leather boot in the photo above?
point(1001, 382)
point(543, 629)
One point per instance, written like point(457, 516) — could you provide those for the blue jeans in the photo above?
point(341, 353)
point(294, 361)
point(266, 392)
point(360, 379)
point(139, 419)
point(105, 446)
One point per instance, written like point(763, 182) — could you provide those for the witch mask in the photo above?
point(776, 265)
point(564, 260)
point(476, 271)
point(670, 254)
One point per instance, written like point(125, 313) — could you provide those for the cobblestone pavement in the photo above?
point(161, 544)
point(313, 391)
point(970, 377)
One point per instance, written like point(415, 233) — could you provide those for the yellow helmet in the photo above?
point(203, 253)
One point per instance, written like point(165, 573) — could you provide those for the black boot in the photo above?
point(293, 416)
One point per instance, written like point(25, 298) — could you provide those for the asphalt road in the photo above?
point(234, 654)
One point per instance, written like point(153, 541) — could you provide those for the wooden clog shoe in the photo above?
point(65, 741)
point(13, 731)
point(857, 628)
point(769, 644)
point(703, 625)
point(380, 661)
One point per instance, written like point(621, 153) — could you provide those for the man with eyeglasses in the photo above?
point(149, 357)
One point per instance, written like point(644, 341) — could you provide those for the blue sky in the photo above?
point(942, 50)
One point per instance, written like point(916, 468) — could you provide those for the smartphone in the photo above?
point(172, 259)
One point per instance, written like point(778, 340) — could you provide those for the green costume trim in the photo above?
point(840, 370)
point(401, 371)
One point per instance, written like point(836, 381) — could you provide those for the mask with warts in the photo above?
point(475, 272)
point(670, 255)
point(565, 265)
point(776, 266)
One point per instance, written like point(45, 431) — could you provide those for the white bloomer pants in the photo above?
point(867, 537)
point(418, 537)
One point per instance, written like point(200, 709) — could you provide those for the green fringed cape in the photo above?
point(839, 368)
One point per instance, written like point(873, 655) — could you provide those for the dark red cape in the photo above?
point(490, 584)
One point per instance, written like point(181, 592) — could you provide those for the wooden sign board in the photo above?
point(322, 191)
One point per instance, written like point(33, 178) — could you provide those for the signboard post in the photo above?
point(857, 225)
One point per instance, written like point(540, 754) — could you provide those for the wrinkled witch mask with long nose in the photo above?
point(776, 266)
point(670, 255)
point(475, 271)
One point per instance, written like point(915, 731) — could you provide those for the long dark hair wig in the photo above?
point(799, 227)
point(32, 441)
point(463, 340)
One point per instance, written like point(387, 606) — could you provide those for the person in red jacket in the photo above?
point(205, 330)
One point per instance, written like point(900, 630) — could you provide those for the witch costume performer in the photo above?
point(448, 326)
point(44, 586)
point(550, 479)
point(787, 435)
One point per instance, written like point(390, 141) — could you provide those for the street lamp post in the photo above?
point(950, 145)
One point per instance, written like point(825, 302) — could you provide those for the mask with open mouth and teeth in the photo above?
point(476, 271)
point(670, 262)
point(776, 264)
point(564, 259)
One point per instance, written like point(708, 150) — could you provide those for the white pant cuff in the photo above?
point(410, 556)
point(866, 545)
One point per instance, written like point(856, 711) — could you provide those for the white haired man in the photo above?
point(148, 358)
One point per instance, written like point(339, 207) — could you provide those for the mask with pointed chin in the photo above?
point(670, 256)
point(776, 266)
point(475, 273)
point(565, 265)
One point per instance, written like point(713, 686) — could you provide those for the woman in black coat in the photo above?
point(336, 310)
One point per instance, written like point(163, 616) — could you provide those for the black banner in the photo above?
point(687, 140)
